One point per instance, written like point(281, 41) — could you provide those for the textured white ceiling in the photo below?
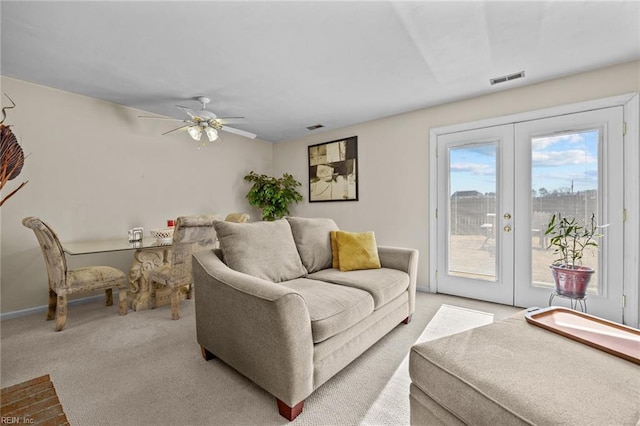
point(288, 65)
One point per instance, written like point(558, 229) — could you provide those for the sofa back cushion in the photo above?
point(313, 241)
point(262, 249)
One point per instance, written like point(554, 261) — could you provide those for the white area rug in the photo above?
point(394, 398)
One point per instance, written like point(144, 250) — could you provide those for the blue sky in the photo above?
point(558, 161)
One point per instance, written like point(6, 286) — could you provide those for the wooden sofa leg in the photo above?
point(407, 320)
point(287, 412)
point(206, 354)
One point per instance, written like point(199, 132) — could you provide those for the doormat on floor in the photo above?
point(32, 402)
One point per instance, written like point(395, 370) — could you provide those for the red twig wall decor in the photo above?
point(11, 155)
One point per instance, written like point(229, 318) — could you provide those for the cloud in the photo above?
point(572, 157)
point(591, 174)
point(542, 143)
point(483, 150)
point(588, 176)
point(475, 168)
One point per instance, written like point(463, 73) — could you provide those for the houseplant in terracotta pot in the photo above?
point(569, 237)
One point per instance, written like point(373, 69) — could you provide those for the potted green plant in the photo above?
point(273, 195)
point(569, 238)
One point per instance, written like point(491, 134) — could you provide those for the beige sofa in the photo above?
point(515, 373)
point(269, 304)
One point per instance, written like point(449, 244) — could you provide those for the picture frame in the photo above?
point(333, 172)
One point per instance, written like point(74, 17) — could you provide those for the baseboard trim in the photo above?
point(43, 308)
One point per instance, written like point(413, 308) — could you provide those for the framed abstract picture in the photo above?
point(333, 171)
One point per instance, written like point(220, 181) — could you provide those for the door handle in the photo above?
point(507, 216)
point(507, 228)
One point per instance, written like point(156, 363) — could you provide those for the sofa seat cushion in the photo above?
point(383, 284)
point(512, 372)
point(332, 308)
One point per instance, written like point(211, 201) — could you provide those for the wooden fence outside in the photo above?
point(473, 215)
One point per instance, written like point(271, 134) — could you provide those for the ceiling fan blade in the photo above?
point(160, 118)
point(239, 132)
point(176, 129)
point(231, 120)
point(188, 111)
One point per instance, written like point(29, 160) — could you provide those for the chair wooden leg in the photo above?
point(175, 303)
point(61, 312)
point(123, 302)
point(109, 293)
point(290, 413)
point(51, 312)
point(190, 291)
point(407, 320)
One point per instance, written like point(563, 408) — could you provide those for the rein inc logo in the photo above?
point(14, 420)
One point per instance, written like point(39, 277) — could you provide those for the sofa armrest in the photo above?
point(258, 327)
point(402, 259)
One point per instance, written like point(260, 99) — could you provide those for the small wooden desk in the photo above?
point(148, 255)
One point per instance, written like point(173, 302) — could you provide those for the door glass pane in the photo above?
point(564, 179)
point(472, 211)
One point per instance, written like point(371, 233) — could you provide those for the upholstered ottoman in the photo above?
point(511, 372)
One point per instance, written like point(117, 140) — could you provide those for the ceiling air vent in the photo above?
point(315, 127)
point(506, 78)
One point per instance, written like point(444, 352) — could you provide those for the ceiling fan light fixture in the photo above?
point(195, 132)
point(212, 133)
point(205, 121)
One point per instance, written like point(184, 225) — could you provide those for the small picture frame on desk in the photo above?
point(135, 234)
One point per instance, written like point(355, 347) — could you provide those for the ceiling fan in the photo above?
point(204, 121)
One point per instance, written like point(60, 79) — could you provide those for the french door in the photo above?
point(497, 188)
point(475, 207)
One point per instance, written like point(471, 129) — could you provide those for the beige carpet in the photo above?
point(145, 369)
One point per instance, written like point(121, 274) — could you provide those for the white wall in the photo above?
point(95, 170)
point(393, 162)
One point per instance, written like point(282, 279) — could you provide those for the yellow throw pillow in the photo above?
point(357, 251)
point(335, 262)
